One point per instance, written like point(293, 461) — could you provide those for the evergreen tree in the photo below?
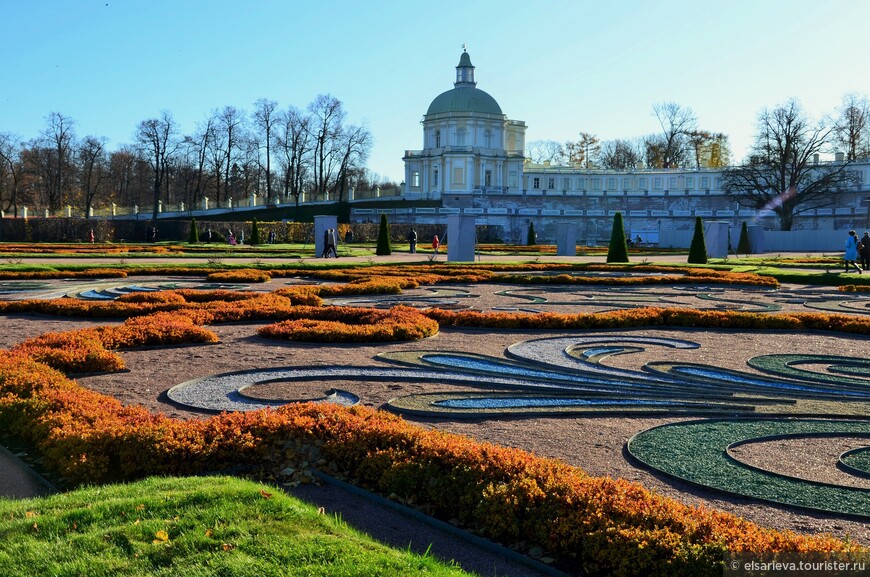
point(193, 237)
point(698, 250)
point(255, 233)
point(383, 247)
point(743, 246)
point(531, 237)
point(618, 250)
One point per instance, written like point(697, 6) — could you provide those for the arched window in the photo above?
point(487, 138)
point(437, 139)
point(460, 137)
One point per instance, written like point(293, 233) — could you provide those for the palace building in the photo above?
point(472, 160)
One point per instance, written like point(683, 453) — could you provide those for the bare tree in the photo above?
point(230, 129)
point(541, 151)
point(60, 136)
point(265, 118)
point(122, 175)
point(780, 173)
point(293, 141)
point(10, 171)
point(158, 139)
point(676, 122)
point(620, 154)
point(326, 123)
point(853, 126)
point(196, 149)
point(92, 169)
point(355, 145)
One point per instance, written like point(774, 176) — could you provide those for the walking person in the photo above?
point(864, 251)
point(435, 244)
point(332, 244)
point(326, 238)
point(851, 253)
point(412, 240)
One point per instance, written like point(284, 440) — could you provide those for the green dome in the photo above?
point(464, 99)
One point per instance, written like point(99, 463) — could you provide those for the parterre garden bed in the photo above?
point(588, 525)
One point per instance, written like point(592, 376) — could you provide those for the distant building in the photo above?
point(472, 160)
point(468, 144)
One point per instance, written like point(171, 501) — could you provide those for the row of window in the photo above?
point(627, 183)
point(461, 135)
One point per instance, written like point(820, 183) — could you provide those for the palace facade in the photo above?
point(472, 160)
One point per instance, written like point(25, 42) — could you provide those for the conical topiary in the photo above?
point(531, 236)
point(743, 246)
point(255, 233)
point(698, 250)
point(193, 236)
point(383, 247)
point(617, 251)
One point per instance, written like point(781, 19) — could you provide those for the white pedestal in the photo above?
point(461, 238)
point(322, 223)
point(566, 239)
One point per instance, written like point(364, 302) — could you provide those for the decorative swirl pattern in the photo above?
point(698, 452)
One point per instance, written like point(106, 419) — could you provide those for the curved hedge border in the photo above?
point(589, 525)
point(856, 462)
point(653, 316)
point(697, 452)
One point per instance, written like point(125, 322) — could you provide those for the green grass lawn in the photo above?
point(190, 527)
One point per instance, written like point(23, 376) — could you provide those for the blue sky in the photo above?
point(562, 67)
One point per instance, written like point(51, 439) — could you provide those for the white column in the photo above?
point(24, 212)
point(68, 211)
point(254, 199)
point(114, 209)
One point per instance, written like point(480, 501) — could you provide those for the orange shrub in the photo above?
point(71, 352)
point(589, 525)
point(653, 316)
point(353, 325)
point(243, 275)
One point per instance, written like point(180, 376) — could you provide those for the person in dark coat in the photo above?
point(864, 251)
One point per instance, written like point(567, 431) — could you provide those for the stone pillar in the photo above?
point(461, 238)
point(755, 232)
point(716, 238)
point(566, 239)
point(321, 224)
